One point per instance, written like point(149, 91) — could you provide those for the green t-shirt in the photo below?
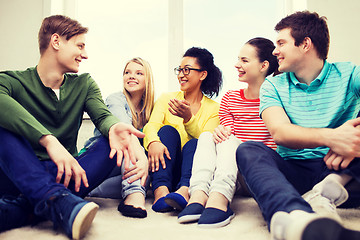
point(30, 109)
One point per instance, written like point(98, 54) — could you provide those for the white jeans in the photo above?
point(214, 166)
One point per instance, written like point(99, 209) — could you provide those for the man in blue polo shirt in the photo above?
point(310, 110)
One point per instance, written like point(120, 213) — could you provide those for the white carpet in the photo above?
point(110, 224)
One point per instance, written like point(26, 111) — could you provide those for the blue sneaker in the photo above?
point(72, 213)
point(176, 201)
point(14, 212)
point(213, 218)
point(161, 206)
point(191, 213)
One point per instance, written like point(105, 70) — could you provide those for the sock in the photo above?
point(343, 179)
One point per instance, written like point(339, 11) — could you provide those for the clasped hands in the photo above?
point(344, 145)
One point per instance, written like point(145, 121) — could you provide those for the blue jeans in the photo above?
point(36, 179)
point(277, 185)
point(178, 170)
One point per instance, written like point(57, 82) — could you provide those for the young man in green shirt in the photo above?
point(42, 110)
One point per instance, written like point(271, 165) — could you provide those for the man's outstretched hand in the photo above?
point(120, 143)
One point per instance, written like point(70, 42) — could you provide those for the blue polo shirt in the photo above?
point(329, 101)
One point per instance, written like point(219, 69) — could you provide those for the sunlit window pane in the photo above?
point(122, 29)
point(119, 31)
point(223, 27)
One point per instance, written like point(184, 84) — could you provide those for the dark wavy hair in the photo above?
point(211, 85)
point(264, 48)
point(306, 24)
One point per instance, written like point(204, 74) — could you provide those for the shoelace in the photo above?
point(53, 209)
point(12, 200)
point(322, 201)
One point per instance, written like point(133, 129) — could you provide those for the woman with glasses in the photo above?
point(133, 105)
point(176, 122)
point(214, 173)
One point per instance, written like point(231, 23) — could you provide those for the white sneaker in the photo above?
point(325, 197)
point(300, 225)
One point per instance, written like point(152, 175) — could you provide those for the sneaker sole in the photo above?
point(328, 229)
point(174, 204)
point(189, 218)
point(83, 220)
point(219, 224)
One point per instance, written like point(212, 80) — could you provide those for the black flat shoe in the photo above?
point(131, 211)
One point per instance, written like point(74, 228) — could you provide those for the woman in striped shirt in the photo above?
point(214, 173)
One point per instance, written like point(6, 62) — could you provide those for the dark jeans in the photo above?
point(178, 170)
point(36, 179)
point(277, 185)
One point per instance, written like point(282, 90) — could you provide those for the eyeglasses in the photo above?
point(185, 70)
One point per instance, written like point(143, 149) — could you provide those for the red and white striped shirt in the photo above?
point(242, 116)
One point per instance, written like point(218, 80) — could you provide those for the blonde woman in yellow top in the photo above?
point(176, 122)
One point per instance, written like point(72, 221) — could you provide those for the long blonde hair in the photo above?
point(147, 99)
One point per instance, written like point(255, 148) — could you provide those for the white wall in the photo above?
point(20, 21)
point(343, 21)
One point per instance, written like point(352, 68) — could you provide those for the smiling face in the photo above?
point(193, 80)
point(248, 65)
point(134, 78)
point(71, 53)
point(289, 56)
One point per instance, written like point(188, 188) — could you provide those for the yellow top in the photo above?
point(205, 120)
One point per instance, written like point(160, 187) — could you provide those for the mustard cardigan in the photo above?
point(206, 119)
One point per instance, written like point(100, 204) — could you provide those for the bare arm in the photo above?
point(343, 140)
point(290, 135)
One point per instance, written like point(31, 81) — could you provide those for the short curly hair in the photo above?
point(211, 85)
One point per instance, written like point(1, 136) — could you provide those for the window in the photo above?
point(223, 27)
point(120, 30)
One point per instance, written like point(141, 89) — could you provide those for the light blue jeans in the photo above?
point(116, 187)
